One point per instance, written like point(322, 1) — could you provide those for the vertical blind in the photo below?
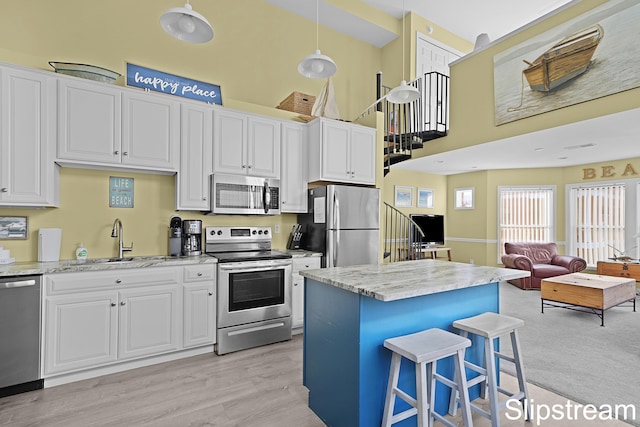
point(525, 215)
point(598, 222)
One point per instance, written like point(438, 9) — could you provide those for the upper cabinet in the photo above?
point(245, 144)
point(28, 175)
point(99, 124)
point(196, 162)
point(293, 177)
point(341, 152)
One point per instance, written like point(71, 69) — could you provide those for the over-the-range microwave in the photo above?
point(244, 195)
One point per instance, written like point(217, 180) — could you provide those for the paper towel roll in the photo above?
point(4, 253)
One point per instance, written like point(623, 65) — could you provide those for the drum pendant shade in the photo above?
point(186, 24)
point(403, 94)
point(317, 66)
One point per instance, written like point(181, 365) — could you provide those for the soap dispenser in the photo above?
point(81, 253)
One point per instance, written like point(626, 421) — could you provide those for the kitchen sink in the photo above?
point(126, 260)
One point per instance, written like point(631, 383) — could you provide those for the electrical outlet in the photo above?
point(276, 228)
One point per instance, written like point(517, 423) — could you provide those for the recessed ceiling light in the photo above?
point(563, 158)
point(538, 149)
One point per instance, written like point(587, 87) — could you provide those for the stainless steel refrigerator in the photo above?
point(343, 223)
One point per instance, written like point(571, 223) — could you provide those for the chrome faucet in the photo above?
point(117, 232)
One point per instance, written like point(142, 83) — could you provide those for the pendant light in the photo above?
point(317, 65)
point(404, 93)
point(186, 24)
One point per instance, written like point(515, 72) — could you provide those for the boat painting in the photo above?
point(565, 60)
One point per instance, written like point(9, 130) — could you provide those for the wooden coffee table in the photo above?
point(587, 292)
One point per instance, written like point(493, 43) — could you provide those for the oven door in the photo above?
point(253, 291)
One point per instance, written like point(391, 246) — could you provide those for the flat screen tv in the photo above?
point(433, 228)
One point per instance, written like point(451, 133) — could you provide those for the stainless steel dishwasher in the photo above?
point(20, 298)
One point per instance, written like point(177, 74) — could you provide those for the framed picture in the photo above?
point(463, 198)
point(425, 198)
point(13, 227)
point(404, 196)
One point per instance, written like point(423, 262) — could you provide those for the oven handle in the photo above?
point(238, 266)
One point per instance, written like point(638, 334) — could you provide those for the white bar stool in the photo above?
point(490, 326)
point(425, 348)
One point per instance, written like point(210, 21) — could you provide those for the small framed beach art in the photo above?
point(403, 196)
point(463, 198)
point(425, 198)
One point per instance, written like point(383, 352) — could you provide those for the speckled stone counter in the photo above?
point(350, 311)
point(31, 268)
point(400, 280)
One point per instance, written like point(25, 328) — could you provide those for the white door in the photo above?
point(263, 147)
point(81, 331)
point(89, 121)
point(432, 56)
point(363, 155)
point(229, 142)
point(150, 131)
point(196, 162)
point(149, 321)
point(199, 313)
point(293, 177)
point(335, 152)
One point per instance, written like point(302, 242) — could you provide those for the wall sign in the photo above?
point(120, 192)
point(158, 81)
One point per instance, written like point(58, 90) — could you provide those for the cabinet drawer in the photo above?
point(59, 283)
point(198, 273)
point(305, 263)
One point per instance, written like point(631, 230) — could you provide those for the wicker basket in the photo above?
point(298, 103)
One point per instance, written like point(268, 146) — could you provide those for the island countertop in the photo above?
point(408, 279)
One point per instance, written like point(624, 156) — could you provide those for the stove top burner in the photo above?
point(243, 256)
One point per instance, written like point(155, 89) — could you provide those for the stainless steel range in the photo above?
point(254, 288)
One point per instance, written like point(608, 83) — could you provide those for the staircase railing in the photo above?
point(408, 126)
point(401, 236)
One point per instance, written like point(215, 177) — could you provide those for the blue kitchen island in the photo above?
point(350, 311)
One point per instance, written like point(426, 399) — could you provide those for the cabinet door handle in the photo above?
point(116, 152)
point(210, 293)
point(199, 274)
point(118, 281)
point(113, 304)
point(123, 303)
point(125, 153)
point(4, 190)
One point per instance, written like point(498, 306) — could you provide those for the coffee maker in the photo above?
point(175, 236)
point(191, 237)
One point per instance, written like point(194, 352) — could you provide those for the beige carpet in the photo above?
point(569, 353)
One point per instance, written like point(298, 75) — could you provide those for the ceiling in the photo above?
point(602, 139)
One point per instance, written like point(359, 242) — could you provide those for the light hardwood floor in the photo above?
point(255, 387)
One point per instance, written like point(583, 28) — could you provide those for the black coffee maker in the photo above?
point(191, 237)
point(175, 236)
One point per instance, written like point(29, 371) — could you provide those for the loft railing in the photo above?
point(400, 235)
point(408, 126)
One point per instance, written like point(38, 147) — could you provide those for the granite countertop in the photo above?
point(31, 268)
point(407, 279)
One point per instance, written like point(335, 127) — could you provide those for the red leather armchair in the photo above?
point(541, 260)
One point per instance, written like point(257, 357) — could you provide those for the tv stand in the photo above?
point(433, 251)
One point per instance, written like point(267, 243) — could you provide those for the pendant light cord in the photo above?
point(317, 24)
point(403, 13)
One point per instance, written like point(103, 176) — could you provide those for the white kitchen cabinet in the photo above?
point(245, 144)
point(100, 125)
point(293, 177)
point(89, 121)
point(98, 318)
point(297, 289)
point(80, 331)
point(28, 175)
point(149, 321)
point(199, 297)
point(342, 152)
point(150, 131)
point(196, 162)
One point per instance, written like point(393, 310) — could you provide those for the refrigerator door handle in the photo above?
point(336, 223)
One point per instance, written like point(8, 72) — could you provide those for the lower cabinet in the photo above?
point(297, 288)
point(93, 319)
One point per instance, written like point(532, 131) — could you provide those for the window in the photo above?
point(525, 214)
point(596, 225)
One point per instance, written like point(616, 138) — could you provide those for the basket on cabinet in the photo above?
point(298, 103)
